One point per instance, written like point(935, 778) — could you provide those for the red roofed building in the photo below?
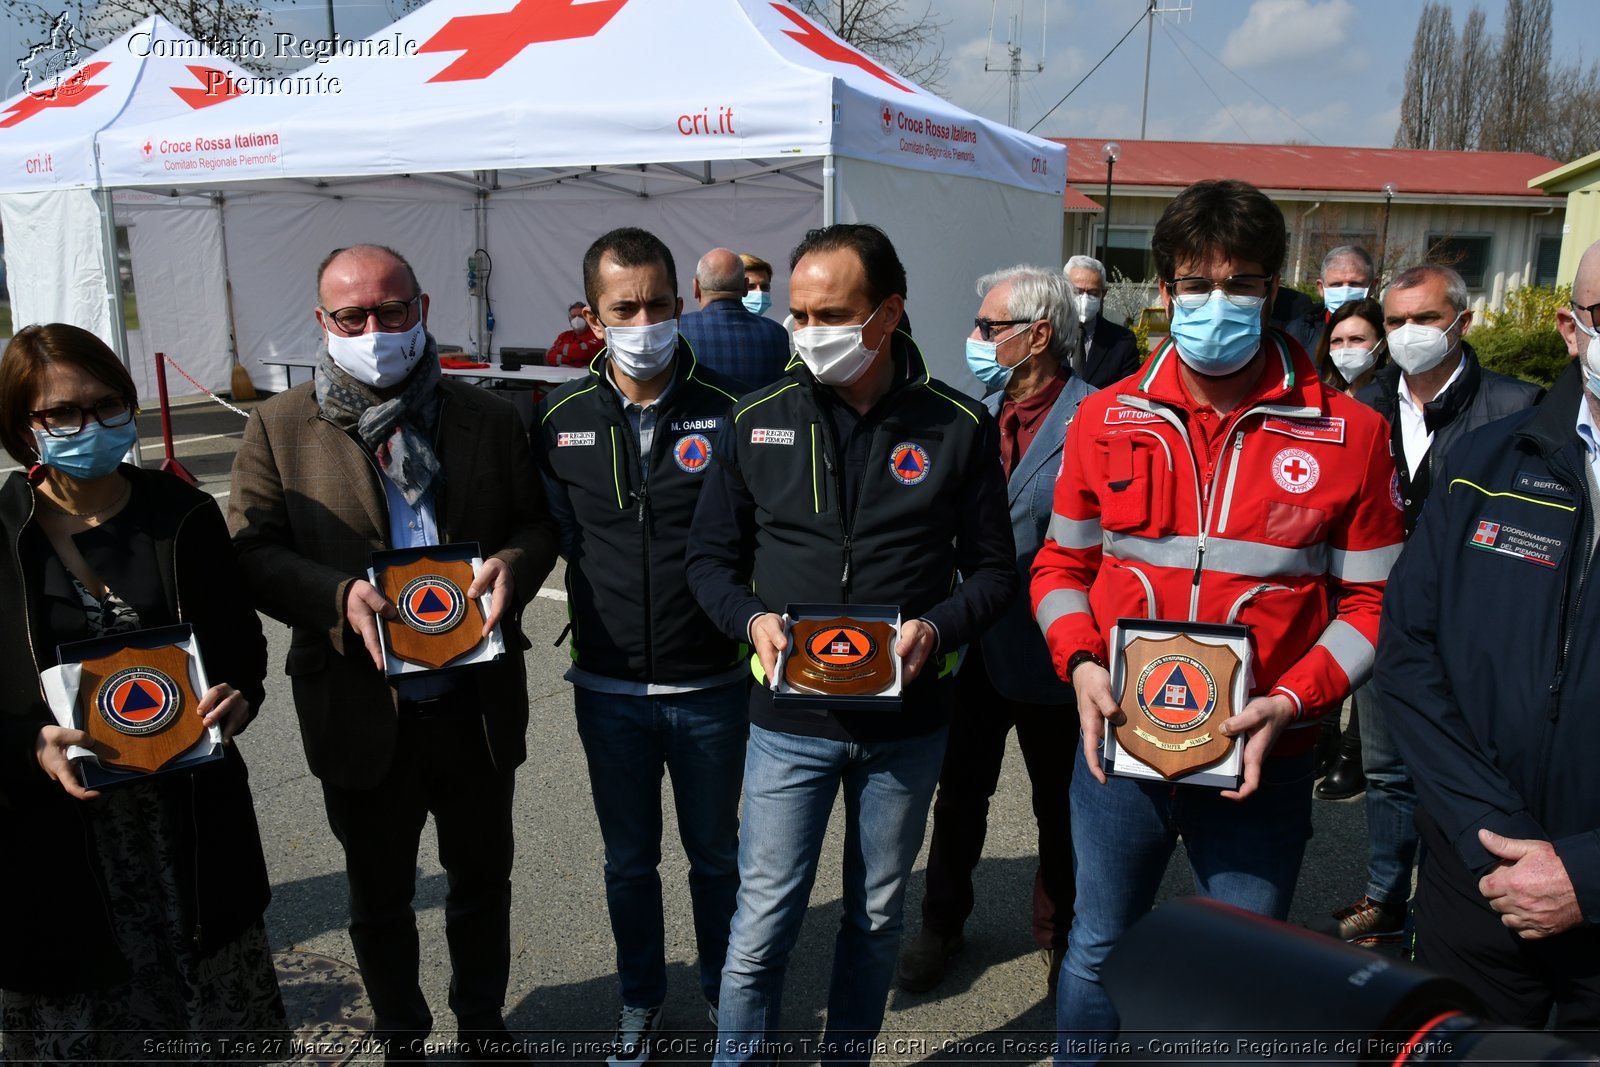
point(1472, 209)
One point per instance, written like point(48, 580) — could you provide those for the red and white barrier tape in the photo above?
point(203, 389)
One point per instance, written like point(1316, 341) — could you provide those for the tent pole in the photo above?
point(480, 307)
point(108, 262)
point(829, 206)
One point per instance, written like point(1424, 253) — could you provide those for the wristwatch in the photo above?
point(1080, 657)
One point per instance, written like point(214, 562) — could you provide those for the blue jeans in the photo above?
point(1391, 805)
point(1245, 853)
point(629, 740)
point(790, 783)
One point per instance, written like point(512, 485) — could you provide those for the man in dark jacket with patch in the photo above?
point(1433, 393)
point(1484, 666)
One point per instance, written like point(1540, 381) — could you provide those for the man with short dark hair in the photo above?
point(1026, 329)
point(378, 451)
point(624, 452)
point(1222, 484)
point(727, 337)
point(1106, 351)
point(1487, 670)
point(858, 479)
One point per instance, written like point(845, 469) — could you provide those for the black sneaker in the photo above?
point(1367, 921)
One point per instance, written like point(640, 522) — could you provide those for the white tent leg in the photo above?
point(108, 257)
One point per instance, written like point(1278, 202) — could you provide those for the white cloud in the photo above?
point(1274, 31)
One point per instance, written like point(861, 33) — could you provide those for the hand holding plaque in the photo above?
point(1176, 684)
point(436, 624)
point(839, 655)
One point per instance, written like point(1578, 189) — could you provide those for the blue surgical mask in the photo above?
point(1336, 296)
point(1220, 336)
point(985, 364)
point(93, 452)
point(757, 301)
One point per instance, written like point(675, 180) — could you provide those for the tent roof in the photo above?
point(153, 71)
point(464, 86)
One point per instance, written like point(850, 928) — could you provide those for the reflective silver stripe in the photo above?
point(1222, 554)
point(1058, 604)
point(1073, 533)
point(1371, 565)
point(1349, 649)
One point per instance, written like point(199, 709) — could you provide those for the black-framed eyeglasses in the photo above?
point(986, 327)
point(1592, 309)
point(68, 420)
point(1241, 290)
point(391, 315)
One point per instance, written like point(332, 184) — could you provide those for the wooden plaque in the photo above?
point(840, 657)
point(138, 706)
point(437, 623)
point(1175, 694)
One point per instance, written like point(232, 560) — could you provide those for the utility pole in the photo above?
point(1013, 68)
point(1152, 9)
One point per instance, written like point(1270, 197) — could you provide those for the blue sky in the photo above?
point(1320, 71)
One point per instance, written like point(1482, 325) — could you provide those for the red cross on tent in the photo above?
point(489, 42)
point(215, 87)
point(832, 50)
point(70, 93)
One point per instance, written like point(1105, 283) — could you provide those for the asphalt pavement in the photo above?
point(991, 1008)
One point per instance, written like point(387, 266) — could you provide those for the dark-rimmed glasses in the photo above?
point(986, 327)
point(68, 420)
point(1240, 290)
point(391, 315)
point(1590, 308)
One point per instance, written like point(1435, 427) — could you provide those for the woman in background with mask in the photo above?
point(1352, 348)
point(1351, 351)
point(135, 911)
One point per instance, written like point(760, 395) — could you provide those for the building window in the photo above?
point(1467, 255)
point(1547, 260)
point(1129, 252)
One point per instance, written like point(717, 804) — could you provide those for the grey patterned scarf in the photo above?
point(396, 428)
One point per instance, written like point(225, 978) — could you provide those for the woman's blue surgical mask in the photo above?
point(91, 453)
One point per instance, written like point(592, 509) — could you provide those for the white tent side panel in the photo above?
point(182, 297)
point(55, 266)
point(538, 240)
point(949, 231)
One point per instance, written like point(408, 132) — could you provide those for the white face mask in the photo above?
point(1590, 358)
point(642, 352)
point(379, 359)
point(834, 354)
point(578, 323)
point(1088, 306)
point(1353, 362)
point(1418, 349)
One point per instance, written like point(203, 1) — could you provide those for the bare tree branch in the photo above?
point(910, 44)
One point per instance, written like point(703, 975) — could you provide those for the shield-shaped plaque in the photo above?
point(840, 657)
point(1175, 694)
point(138, 706)
point(436, 623)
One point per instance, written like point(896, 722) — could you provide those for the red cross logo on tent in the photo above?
point(1295, 470)
point(489, 42)
point(1487, 532)
point(215, 84)
point(70, 93)
point(832, 50)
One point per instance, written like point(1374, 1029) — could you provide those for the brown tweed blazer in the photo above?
point(307, 510)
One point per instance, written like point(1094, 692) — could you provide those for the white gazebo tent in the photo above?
point(527, 130)
point(59, 234)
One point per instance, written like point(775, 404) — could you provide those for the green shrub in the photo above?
point(1532, 354)
point(1532, 307)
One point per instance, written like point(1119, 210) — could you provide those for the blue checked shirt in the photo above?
point(750, 349)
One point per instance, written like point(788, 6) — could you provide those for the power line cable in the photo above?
point(1092, 69)
point(1220, 102)
point(1247, 85)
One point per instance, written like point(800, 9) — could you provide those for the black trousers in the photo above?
point(441, 766)
point(1048, 736)
point(1520, 982)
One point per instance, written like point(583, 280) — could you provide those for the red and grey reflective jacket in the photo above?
point(1288, 523)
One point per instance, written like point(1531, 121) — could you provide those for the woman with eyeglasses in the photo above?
point(132, 913)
